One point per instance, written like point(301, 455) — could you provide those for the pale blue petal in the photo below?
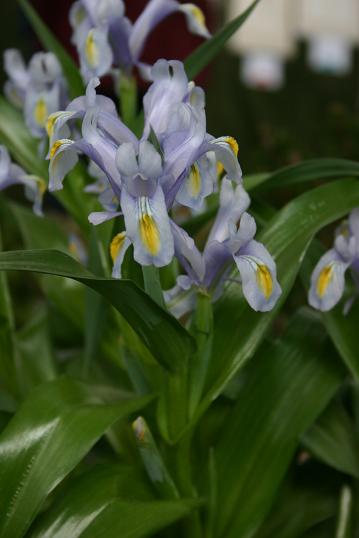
point(44, 68)
point(117, 266)
point(149, 160)
point(99, 217)
point(157, 247)
point(233, 203)
point(96, 55)
point(64, 156)
point(195, 20)
point(15, 69)
point(126, 160)
point(328, 281)
point(188, 254)
point(258, 276)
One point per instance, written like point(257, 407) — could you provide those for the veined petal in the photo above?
point(63, 157)
point(196, 20)
point(148, 227)
point(95, 53)
point(118, 248)
point(258, 276)
point(327, 281)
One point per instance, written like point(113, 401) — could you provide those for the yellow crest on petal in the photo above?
point(232, 142)
point(149, 233)
point(91, 49)
point(55, 147)
point(41, 112)
point(116, 245)
point(50, 124)
point(264, 280)
point(194, 181)
point(324, 279)
point(197, 14)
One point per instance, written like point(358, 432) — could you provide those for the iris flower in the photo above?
point(328, 278)
point(175, 162)
point(38, 89)
point(104, 36)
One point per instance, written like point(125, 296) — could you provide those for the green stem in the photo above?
point(128, 98)
point(192, 524)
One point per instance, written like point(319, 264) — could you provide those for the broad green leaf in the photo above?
point(167, 340)
point(332, 439)
point(312, 170)
point(7, 345)
point(109, 501)
point(238, 329)
point(285, 388)
point(36, 361)
point(52, 431)
point(202, 56)
point(45, 232)
point(49, 42)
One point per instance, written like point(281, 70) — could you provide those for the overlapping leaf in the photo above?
point(52, 431)
point(167, 340)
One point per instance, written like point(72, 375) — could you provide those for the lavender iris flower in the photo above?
point(231, 239)
point(38, 89)
point(12, 174)
point(175, 162)
point(328, 278)
point(104, 36)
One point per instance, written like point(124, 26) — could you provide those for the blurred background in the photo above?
point(287, 86)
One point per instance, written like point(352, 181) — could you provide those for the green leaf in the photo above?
point(50, 43)
point(7, 344)
point(36, 361)
point(285, 388)
point(301, 506)
point(312, 170)
point(52, 431)
point(167, 340)
point(333, 440)
point(109, 501)
point(203, 55)
point(238, 329)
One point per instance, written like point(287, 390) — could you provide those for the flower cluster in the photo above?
point(105, 37)
point(175, 163)
point(38, 89)
point(328, 278)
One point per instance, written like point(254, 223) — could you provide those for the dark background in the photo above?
point(312, 116)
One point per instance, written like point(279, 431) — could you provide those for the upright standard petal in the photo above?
point(327, 281)
point(258, 275)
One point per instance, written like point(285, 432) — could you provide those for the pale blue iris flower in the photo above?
point(328, 278)
point(38, 89)
point(12, 174)
point(231, 239)
point(105, 37)
point(175, 162)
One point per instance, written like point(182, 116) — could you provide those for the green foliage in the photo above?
point(118, 420)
